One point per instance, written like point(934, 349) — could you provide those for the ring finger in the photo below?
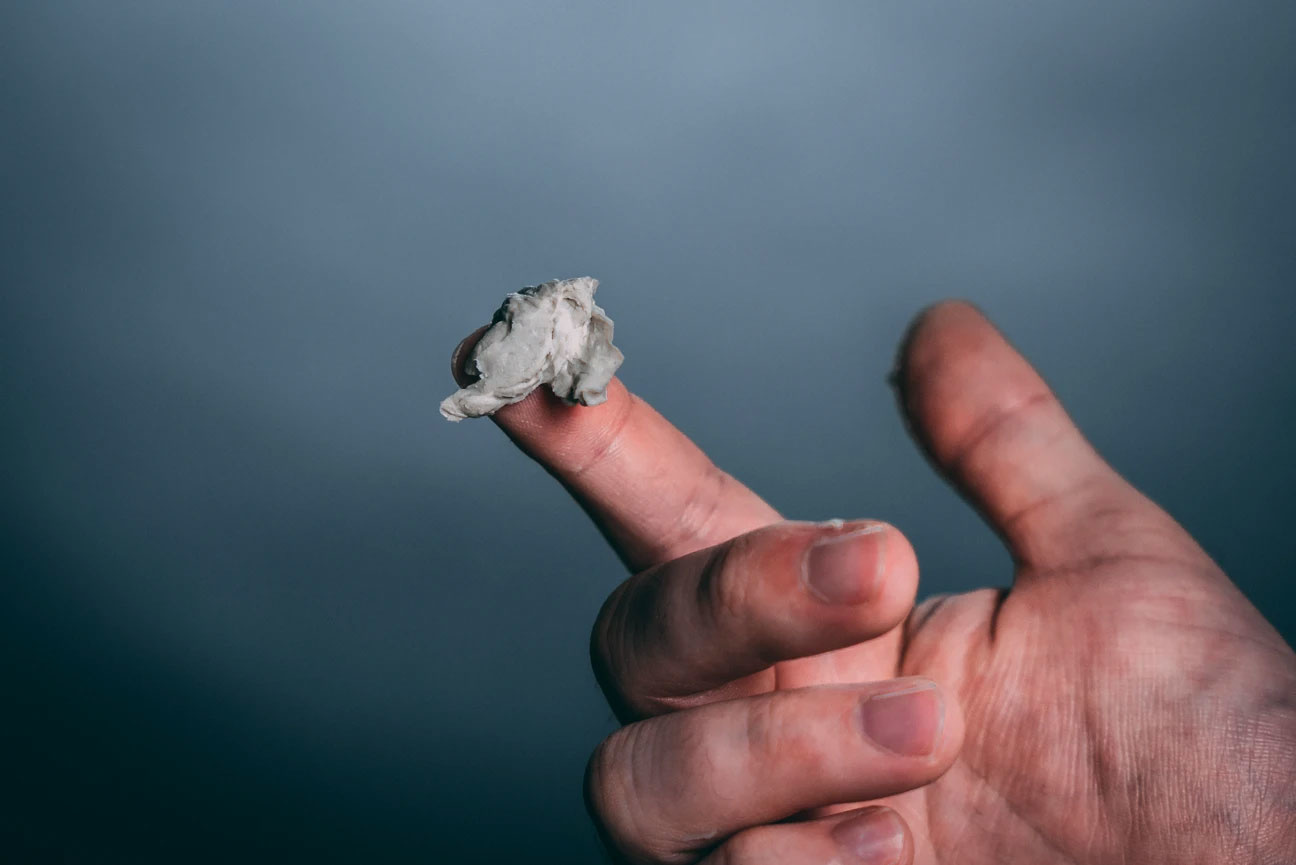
point(668, 788)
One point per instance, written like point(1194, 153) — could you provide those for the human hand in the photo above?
point(1122, 702)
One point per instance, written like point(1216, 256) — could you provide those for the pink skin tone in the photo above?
point(785, 702)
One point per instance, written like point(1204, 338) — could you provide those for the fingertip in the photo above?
point(950, 734)
point(957, 374)
point(900, 575)
point(810, 588)
point(932, 329)
point(567, 438)
point(990, 423)
point(460, 354)
point(861, 562)
point(544, 425)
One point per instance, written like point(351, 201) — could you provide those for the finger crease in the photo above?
point(605, 444)
point(691, 528)
point(1045, 502)
point(991, 425)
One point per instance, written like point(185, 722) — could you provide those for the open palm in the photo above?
point(1122, 702)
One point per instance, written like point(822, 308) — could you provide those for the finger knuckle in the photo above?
point(779, 733)
point(615, 798)
point(606, 653)
point(1035, 409)
point(694, 521)
point(724, 585)
point(764, 726)
point(745, 848)
point(605, 792)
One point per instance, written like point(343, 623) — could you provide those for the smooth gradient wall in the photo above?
point(261, 603)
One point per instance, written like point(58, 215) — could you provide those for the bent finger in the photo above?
point(671, 635)
point(672, 786)
point(866, 836)
point(653, 493)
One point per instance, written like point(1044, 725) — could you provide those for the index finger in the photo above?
point(652, 492)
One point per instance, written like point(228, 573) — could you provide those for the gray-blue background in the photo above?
point(253, 607)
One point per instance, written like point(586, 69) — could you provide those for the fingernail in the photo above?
point(906, 722)
point(875, 837)
point(462, 376)
point(846, 568)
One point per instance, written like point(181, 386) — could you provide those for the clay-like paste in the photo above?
point(552, 333)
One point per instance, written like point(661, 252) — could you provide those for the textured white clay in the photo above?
point(551, 334)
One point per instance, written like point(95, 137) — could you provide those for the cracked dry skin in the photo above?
point(552, 334)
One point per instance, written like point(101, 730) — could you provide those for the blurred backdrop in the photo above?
point(253, 607)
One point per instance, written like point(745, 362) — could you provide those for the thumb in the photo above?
point(996, 431)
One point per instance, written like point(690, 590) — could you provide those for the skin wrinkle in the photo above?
point(1138, 793)
point(1105, 770)
point(700, 751)
point(1013, 525)
point(606, 792)
point(643, 631)
point(606, 444)
point(757, 683)
point(761, 729)
point(1087, 564)
point(723, 593)
point(991, 424)
point(720, 596)
point(985, 785)
point(1100, 748)
point(650, 761)
point(614, 651)
point(1238, 735)
point(972, 675)
point(698, 513)
point(1212, 629)
point(1001, 599)
point(1095, 735)
point(1261, 782)
point(914, 623)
